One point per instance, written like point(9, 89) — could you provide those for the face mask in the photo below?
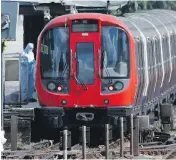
point(30, 50)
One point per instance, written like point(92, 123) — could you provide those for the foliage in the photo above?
point(144, 5)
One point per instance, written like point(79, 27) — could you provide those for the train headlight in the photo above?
point(111, 88)
point(51, 86)
point(59, 88)
point(64, 102)
point(106, 101)
point(118, 86)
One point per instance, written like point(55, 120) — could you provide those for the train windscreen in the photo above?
point(115, 52)
point(54, 57)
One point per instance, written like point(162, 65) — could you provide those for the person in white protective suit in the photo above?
point(3, 141)
point(27, 74)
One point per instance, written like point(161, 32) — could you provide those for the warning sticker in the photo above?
point(44, 49)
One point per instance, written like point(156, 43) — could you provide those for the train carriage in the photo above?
point(94, 68)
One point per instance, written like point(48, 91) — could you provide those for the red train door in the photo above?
point(85, 83)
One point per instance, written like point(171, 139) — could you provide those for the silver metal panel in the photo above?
point(143, 122)
point(11, 70)
point(12, 81)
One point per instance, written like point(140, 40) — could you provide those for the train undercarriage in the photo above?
point(50, 122)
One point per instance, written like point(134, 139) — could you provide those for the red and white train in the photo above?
point(94, 68)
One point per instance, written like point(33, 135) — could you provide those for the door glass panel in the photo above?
point(85, 62)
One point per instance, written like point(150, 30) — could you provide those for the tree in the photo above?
point(144, 5)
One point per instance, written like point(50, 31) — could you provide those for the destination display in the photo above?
point(84, 25)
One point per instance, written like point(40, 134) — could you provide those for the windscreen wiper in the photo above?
point(62, 67)
point(103, 66)
point(63, 72)
point(78, 80)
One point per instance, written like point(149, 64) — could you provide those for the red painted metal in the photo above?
point(92, 96)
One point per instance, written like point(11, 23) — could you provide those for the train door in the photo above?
point(85, 84)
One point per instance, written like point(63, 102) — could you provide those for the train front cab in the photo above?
point(87, 70)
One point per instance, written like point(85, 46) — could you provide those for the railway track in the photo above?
point(171, 155)
point(48, 150)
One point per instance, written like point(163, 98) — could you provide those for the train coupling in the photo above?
point(84, 116)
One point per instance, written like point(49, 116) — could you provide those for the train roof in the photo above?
point(150, 23)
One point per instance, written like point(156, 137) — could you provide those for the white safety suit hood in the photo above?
point(28, 52)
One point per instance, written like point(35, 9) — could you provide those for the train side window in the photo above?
point(164, 49)
point(148, 52)
point(45, 52)
point(172, 45)
point(167, 53)
point(156, 53)
point(142, 55)
point(157, 45)
point(151, 53)
point(137, 53)
point(167, 47)
point(175, 48)
point(175, 45)
point(159, 50)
